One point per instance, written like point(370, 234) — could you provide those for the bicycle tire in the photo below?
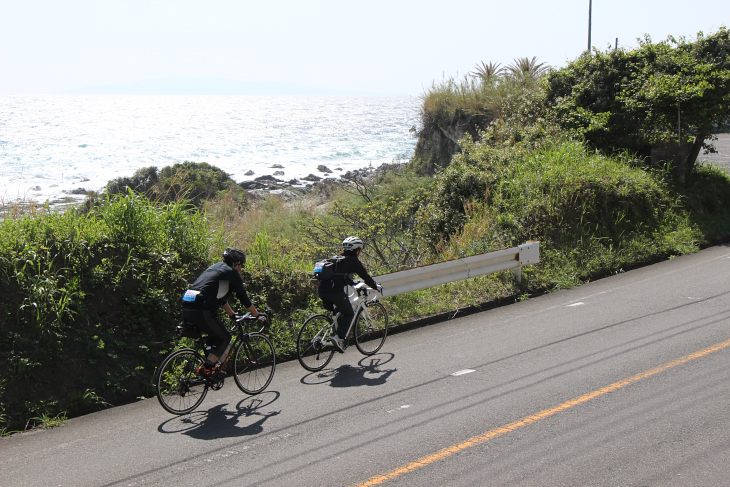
point(371, 330)
point(314, 351)
point(254, 363)
point(179, 389)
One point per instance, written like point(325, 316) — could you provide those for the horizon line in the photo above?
point(178, 85)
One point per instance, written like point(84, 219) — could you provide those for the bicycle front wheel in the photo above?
point(371, 328)
point(314, 350)
point(179, 388)
point(254, 363)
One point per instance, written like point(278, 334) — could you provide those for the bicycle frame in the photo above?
point(237, 335)
point(360, 297)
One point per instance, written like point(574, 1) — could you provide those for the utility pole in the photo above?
point(590, 9)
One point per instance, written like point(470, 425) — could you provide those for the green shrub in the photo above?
point(192, 181)
point(89, 302)
point(657, 95)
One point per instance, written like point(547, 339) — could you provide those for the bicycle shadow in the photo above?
point(218, 422)
point(367, 373)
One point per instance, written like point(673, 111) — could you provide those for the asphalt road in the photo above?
point(621, 382)
point(722, 157)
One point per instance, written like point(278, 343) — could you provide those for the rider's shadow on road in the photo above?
point(217, 422)
point(367, 373)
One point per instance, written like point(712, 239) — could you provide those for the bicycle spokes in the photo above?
point(254, 363)
point(313, 348)
point(371, 328)
point(179, 390)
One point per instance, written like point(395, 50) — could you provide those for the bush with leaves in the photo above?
point(382, 212)
point(672, 92)
point(90, 301)
point(193, 181)
point(592, 214)
point(143, 180)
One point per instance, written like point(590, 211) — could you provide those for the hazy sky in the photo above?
point(390, 47)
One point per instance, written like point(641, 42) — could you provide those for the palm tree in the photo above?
point(527, 69)
point(487, 72)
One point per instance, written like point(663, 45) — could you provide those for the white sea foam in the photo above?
point(51, 145)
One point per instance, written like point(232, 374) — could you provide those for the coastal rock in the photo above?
point(278, 173)
point(277, 166)
point(257, 194)
point(267, 178)
point(285, 194)
point(252, 185)
point(249, 173)
point(324, 169)
point(356, 174)
point(263, 186)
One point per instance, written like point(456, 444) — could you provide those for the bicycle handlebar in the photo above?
point(249, 318)
point(362, 289)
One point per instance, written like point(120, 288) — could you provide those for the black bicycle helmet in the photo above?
point(233, 256)
point(352, 243)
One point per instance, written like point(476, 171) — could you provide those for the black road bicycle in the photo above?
point(314, 348)
point(180, 390)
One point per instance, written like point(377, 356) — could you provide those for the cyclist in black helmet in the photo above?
point(211, 290)
point(332, 291)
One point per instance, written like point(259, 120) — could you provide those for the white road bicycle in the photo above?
point(370, 325)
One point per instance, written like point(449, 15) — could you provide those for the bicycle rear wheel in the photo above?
point(179, 388)
point(254, 363)
point(371, 328)
point(313, 347)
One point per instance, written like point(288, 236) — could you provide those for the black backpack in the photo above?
point(327, 269)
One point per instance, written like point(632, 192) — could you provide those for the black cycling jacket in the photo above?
point(213, 288)
point(348, 266)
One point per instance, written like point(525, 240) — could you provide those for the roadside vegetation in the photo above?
point(506, 155)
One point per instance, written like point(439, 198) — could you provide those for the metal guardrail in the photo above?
point(428, 276)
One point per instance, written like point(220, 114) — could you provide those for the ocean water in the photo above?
point(51, 145)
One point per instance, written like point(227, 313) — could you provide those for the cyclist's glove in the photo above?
point(380, 289)
point(234, 318)
point(262, 317)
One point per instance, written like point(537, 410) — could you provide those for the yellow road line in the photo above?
point(477, 440)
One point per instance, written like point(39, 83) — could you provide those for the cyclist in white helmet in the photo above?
point(332, 291)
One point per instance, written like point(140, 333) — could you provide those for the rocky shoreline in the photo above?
point(262, 186)
point(291, 189)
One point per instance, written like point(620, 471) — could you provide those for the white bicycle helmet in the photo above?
point(352, 243)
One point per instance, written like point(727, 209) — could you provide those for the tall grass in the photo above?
point(594, 215)
point(469, 96)
point(89, 300)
